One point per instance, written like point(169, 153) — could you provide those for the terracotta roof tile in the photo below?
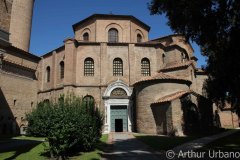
point(19, 64)
point(161, 75)
point(176, 66)
point(171, 97)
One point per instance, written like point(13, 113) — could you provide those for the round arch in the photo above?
point(118, 28)
point(115, 85)
point(88, 31)
point(139, 32)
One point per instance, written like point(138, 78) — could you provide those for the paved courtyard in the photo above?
point(126, 147)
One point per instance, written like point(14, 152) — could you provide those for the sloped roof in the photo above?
point(171, 97)
point(176, 66)
point(162, 76)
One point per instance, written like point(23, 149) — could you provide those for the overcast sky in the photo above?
point(53, 20)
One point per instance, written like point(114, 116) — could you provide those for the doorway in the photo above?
point(119, 119)
point(118, 125)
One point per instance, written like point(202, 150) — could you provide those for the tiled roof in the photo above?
point(176, 66)
point(171, 97)
point(19, 64)
point(161, 75)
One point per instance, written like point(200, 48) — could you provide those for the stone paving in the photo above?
point(126, 147)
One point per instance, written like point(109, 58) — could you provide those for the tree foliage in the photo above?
point(215, 26)
point(68, 123)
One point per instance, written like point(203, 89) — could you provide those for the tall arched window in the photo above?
point(139, 38)
point(88, 100)
point(113, 35)
point(86, 36)
point(48, 72)
point(88, 67)
point(61, 70)
point(145, 67)
point(117, 67)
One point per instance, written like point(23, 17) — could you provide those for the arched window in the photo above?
point(88, 100)
point(61, 70)
point(117, 67)
point(113, 35)
point(86, 36)
point(139, 38)
point(48, 71)
point(145, 67)
point(88, 67)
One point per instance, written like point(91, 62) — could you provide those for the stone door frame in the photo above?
point(108, 102)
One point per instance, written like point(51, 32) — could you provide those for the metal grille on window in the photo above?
point(62, 70)
point(113, 35)
point(88, 100)
point(118, 92)
point(117, 67)
point(88, 67)
point(145, 64)
point(86, 36)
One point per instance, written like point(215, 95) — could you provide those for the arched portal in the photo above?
point(118, 108)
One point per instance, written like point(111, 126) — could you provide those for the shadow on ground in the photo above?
point(17, 146)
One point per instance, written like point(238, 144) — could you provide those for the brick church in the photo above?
point(141, 85)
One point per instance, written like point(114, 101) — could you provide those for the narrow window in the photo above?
point(163, 58)
point(88, 67)
point(113, 35)
point(61, 70)
point(48, 74)
point(117, 67)
point(139, 38)
point(86, 36)
point(183, 57)
point(145, 67)
point(88, 100)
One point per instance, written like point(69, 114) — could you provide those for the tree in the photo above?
point(66, 124)
point(215, 26)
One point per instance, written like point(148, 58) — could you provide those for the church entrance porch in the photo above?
point(119, 119)
point(118, 108)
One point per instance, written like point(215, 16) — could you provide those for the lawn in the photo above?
point(163, 143)
point(35, 150)
point(229, 143)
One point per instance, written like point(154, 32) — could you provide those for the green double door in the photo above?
point(119, 119)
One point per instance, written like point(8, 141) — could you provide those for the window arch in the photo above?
point(139, 38)
point(113, 35)
point(61, 70)
point(48, 73)
point(145, 67)
point(118, 92)
point(86, 36)
point(117, 67)
point(88, 67)
point(88, 100)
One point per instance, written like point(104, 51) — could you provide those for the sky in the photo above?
point(53, 20)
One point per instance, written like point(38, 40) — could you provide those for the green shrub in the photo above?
point(67, 123)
